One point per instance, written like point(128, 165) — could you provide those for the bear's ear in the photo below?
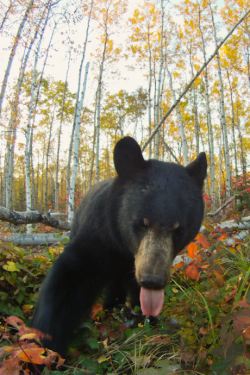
point(198, 169)
point(128, 157)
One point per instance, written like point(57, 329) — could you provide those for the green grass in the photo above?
point(203, 328)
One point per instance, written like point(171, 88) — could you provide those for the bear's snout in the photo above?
point(152, 281)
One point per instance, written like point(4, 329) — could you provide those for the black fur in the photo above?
point(106, 234)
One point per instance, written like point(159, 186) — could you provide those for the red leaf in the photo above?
point(246, 333)
point(178, 265)
point(243, 303)
point(202, 240)
point(192, 271)
point(219, 276)
point(95, 310)
point(191, 250)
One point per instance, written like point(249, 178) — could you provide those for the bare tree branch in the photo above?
point(169, 149)
point(32, 217)
point(212, 214)
point(193, 80)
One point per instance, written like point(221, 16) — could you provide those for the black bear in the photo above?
point(124, 237)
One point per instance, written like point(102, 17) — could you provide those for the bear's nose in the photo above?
point(152, 282)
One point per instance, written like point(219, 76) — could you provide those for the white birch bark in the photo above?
point(76, 147)
point(158, 104)
point(44, 64)
point(10, 142)
point(47, 158)
point(242, 157)
point(209, 120)
point(233, 125)
point(28, 133)
point(223, 114)
point(12, 125)
point(98, 109)
point(13, 51)
point(196, 122)
point(59, 135)
point(220, 169)
point(149, 90)
point(77, 99)
point(192, 81)
point(5, 16)
point(93, 148)
point(180, 122)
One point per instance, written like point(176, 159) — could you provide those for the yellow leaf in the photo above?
point(27, 307)
point(11, 267)
point(102, 359)
point(175, 290)
point(32, 355)
point(29, 336)
point(8, 349)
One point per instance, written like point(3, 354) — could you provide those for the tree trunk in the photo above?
point(209, 123)
point(93, 150)
point(242, 157)
point(47, 159)
point(180, 122)
point(149, 92)
point(13, 51)
point(233, 125)
point(6, 15)
point(220, 169)
point(192, 81)
point(59, 135)
point(196, 122)
point(223, 114)
point(77, 102)
point(28, 132)
point(76, 146)
point(98, 110)
point(158, 103)
point(11, 139)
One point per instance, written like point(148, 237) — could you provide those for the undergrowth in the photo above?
point(204, 327)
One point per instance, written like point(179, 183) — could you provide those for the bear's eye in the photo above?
point(145, 222)
point(141, 224)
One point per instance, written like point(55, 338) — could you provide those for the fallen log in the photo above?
point(35, 239)
point(32, 217)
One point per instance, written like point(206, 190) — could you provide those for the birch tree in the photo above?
point(158, 93)
point(108, 14)
point(231, 13)
point(76, 146)
point(143, 37)
point(13, 51)
point(6, 10)
point(222, 106)
point(230, 84)
point(11, 137)
point(189, 42)
point(77, 97)
point(60, 132)
point(179, 118)
point(28, 131)
point(208, 110)
point(189, 85)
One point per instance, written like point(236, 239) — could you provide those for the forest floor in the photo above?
point(204, 327)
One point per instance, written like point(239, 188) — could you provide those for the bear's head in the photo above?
point(161, 211)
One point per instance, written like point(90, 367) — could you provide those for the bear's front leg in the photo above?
point(70, 289)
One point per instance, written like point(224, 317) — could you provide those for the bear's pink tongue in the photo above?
point(151, 301)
